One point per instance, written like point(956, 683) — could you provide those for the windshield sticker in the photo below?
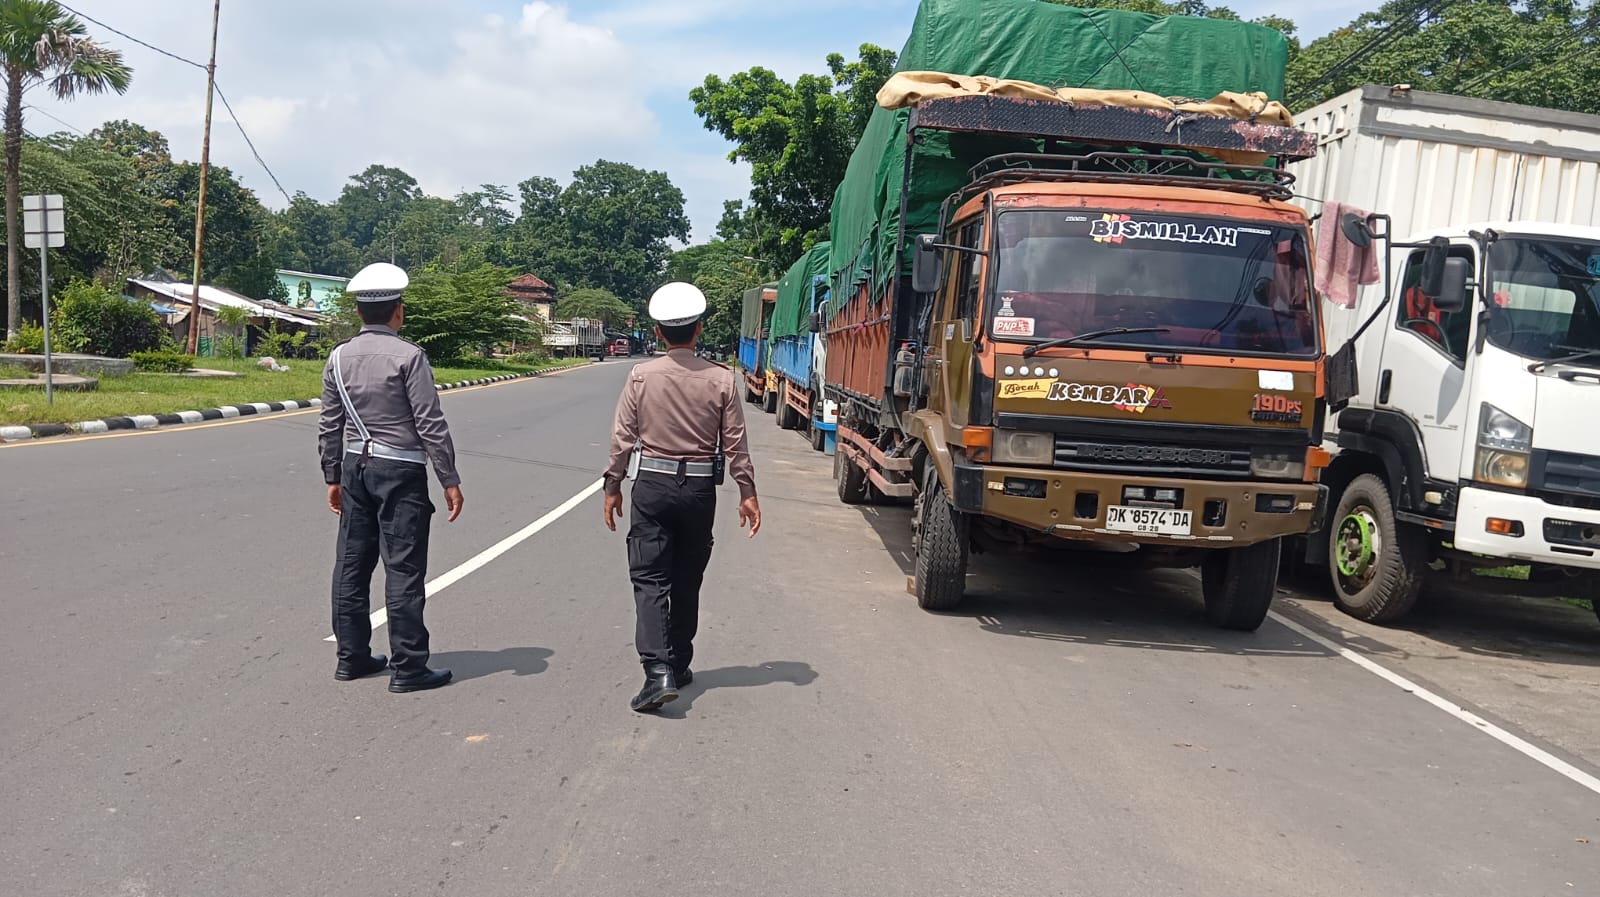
point(1134, 397)
point(1026, 389)
point(1013, 326)
point(1276, 408)
point(1117, 228)
point(1005, 310)
point(1594, 265)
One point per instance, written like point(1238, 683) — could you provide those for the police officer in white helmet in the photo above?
point(679, 424)
point(381, 426)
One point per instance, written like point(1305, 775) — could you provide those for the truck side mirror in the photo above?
point(1433, 260)
point(925, 265)
point(1453, 277)
point(816, 322)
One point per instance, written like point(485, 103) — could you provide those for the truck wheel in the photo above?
point(852, 479)
point(819, 437)
point(1376, 565)
point(942, 540)
point(769, 401)
point(1238, 584)
point(786, 416)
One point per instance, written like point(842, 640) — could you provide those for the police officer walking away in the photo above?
point(678, 422)
point(381, 424)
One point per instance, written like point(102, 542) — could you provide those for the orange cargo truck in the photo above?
point(1110, 337)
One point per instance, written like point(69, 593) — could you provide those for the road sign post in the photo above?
point(44, 227)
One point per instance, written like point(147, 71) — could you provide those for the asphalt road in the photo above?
point(170, 725)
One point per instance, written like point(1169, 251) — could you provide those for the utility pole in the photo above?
point(205, 170)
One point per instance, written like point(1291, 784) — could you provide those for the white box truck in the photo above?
point(1472, 439)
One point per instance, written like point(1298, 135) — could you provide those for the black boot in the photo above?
point(660, 687)
point(361, 668)
point(401, 684)
point(684, 675)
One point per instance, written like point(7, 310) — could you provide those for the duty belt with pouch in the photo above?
point(716, 468)
point(367, 447)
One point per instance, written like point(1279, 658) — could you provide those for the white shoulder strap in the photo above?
point(344, 396)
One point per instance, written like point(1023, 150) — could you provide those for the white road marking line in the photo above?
point(1493, 731)
point(482, 559)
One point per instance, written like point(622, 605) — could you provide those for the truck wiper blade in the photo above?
point(1587, 355)
point(1086, 337)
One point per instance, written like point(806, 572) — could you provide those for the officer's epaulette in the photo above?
point(718, 364)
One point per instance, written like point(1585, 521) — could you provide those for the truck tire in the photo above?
point(1376, 564)
point(852, 480)
point(1239, 583)
point(769, 401)
point(787, 419)
point(819, 437)
point(942, 542)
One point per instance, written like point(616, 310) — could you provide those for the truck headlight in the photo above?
point(1023, 447)
point(1277, 466)
point(1503, 447)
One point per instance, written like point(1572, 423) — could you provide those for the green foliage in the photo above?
point(797, 139)
point(92, 319)
point(452, 315)
point(1538, 52)
point(162, 362)
point(28, 340)
point(42, 45)
point(228, 346)
point(721, 270)
point(595, 303)
point(278, 344)
point(611, 228)
point(530, 359)
point(373, 201)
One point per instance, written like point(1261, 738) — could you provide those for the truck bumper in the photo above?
point(1551, 534)
point(1075, 505)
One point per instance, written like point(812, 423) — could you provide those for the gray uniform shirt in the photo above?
point(391, 385)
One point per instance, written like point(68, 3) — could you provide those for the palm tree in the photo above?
point(41, 43)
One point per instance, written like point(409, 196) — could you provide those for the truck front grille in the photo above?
point(1566, 479)
point(1231, 462)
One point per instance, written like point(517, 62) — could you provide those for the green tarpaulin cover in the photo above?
point(750, 314)
point(796, 292)
point(1049, 44)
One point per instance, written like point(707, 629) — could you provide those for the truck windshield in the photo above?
point(1544, 297)
point(1209, 284)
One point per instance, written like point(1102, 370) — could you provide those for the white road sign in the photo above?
point(44, 221)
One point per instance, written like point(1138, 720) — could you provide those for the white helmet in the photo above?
point(677, 304)
point(378, 282)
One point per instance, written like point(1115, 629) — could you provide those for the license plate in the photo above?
point(1151, 521)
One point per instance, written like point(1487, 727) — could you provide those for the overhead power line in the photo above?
point(68, 125)
point(1563, 40)
point(217, 86)
point(1400, 27)
point(124, 34)
point(248, 142)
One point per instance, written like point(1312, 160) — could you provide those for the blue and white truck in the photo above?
point(798, 355)
point(755, 325)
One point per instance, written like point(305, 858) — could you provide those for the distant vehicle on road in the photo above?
point(621, 347)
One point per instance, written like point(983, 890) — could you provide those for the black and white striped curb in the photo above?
point(226, 412)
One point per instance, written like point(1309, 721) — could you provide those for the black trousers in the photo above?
point(387, 514)
point(669, 545)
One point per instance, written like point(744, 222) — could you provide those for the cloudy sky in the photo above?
point(466, 92)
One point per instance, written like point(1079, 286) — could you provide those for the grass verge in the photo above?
point(140, 393)
point(1521, 573)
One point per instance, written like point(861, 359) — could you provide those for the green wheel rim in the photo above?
point(1358, 546)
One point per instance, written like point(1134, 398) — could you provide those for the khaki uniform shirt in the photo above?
point(391, 384)
point(676, 407)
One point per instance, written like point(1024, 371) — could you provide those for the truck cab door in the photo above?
point(1424, 374)
point(955, 324)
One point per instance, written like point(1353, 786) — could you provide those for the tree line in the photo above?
point(608, 236)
